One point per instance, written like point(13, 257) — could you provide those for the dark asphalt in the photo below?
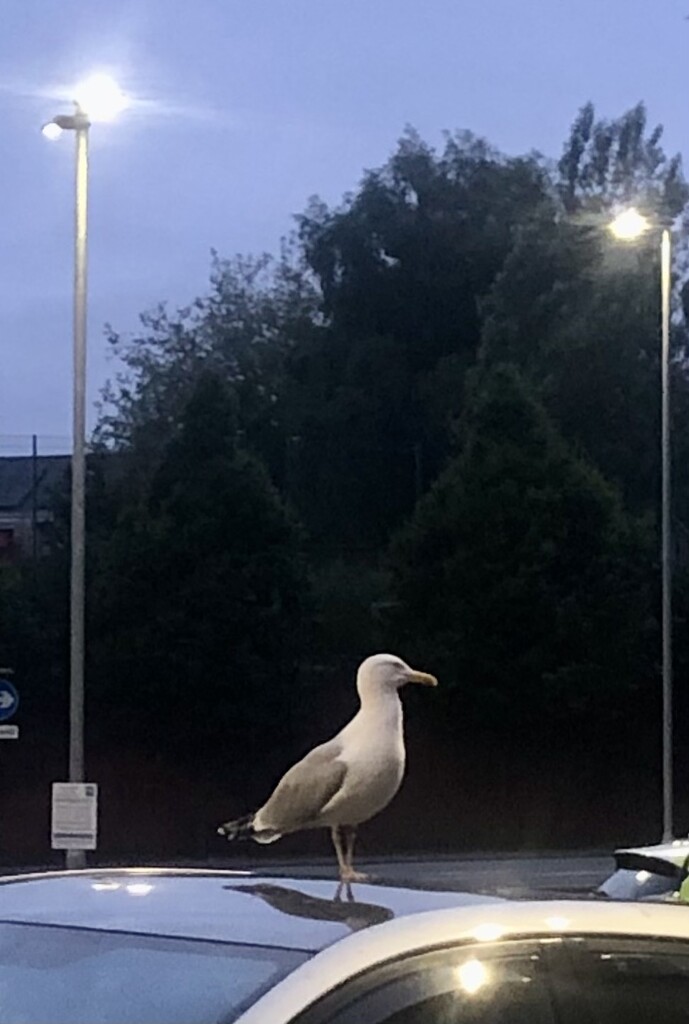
point(547, 875)
point(505, 875)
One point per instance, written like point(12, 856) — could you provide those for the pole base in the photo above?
point(75, 860)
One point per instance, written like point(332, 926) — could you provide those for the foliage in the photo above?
point(199, 594)
point(521, 573)
point(607, 163)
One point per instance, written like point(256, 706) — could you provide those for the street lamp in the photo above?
point(96, 99)
point(628, 226)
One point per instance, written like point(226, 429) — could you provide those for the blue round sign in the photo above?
point(9, 699)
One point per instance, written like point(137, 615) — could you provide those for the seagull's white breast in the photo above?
point(373, 751)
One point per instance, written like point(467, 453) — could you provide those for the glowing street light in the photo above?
point(98, 98)
point(628, 226)
point(52, 130)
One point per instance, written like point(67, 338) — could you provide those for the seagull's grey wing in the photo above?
point(303, 791)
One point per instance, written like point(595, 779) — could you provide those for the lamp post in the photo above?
point(629, 226)
point(96, 99)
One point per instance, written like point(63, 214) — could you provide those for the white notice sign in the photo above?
point(9, 732)
point(74, 824)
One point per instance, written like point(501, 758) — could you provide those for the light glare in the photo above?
point(101, 98)
point(556, 923)
point(629, 225)
point(139, 888)
point(489, 932)
point(472, 976)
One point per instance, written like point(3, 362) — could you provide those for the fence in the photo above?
point(27, 445)
point(32, 466)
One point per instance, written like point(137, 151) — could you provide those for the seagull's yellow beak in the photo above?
point(424, 678)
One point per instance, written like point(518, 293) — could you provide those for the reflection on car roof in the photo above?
point(223, 906)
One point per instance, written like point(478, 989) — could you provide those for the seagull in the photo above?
point(349, 779)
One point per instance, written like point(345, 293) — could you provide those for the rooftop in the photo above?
point(17, 479)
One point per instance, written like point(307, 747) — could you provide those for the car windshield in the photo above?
point(56, 975)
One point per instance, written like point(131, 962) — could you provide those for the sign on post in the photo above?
point(9, 699)
point(74, 819)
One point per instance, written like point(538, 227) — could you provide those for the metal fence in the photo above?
point(18, 445)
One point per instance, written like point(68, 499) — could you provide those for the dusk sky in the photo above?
point(243, 111)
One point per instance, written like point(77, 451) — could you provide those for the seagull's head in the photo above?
point(387, 672)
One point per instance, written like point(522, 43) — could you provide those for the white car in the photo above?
point(166, 947)
point(649, 872)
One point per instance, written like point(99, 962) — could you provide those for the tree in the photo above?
point(199, 596)
point(619, 162)
point(579, 314)
point(521, 577)
point(402, 267)
point(407, 256)
point(257, 309)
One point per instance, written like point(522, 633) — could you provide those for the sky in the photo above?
point(241, 112)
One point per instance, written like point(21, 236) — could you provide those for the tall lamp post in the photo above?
point(97, 99)
point(627, 227)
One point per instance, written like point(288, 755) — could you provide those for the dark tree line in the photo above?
point(431, 424)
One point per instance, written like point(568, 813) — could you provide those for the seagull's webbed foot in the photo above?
point(350, 875)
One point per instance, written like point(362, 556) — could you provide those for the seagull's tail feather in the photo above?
point(243, 828)
point(240, 828)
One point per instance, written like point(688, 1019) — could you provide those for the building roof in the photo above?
point(17, 480)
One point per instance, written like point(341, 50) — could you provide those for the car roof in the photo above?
point(674, 852)
point(543, 919)
point(228, 906)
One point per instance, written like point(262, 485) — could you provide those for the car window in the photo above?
point(618, 981)
point(477, 984)
point(57, 975)
point(556, 981)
